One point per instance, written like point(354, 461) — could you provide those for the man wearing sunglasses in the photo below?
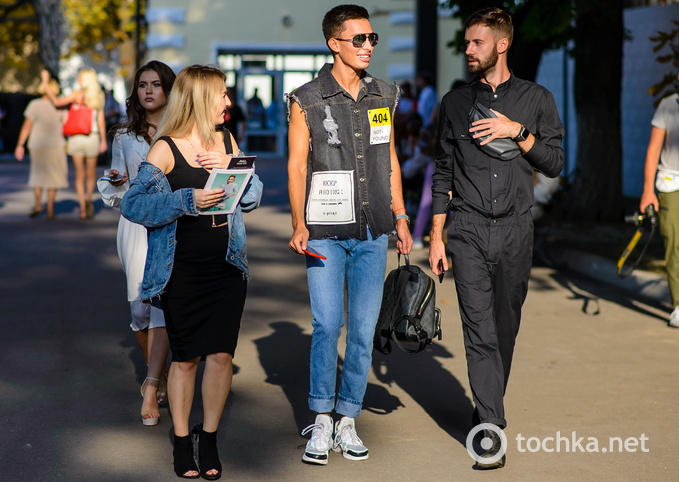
point(344, 183)
point(491, 231)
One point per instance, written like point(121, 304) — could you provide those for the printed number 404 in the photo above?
point(380, 118)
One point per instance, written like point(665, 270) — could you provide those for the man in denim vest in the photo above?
point(345, 192)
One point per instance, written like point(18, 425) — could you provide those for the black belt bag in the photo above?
point(504, 149)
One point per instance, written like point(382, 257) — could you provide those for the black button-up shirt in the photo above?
point(480, 184)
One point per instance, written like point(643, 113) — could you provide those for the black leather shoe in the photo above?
point(491, 452)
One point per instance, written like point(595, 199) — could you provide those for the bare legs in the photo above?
point(38, 199)
point(90, 178)
point(85, 179)
point(51, 196)
point(215, 388)
point(155, 347)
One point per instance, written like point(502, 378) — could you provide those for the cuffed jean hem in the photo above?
point(321, 404)
point(343, 407)
point(347, 408)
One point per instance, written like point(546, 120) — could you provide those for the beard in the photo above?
point(484, 66)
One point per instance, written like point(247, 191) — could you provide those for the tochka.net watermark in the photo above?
point(560, 443)
point(573, 443)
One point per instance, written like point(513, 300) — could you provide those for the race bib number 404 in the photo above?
point(331, 198)
point(380, 125)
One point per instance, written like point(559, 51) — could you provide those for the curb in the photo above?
point(649, 285)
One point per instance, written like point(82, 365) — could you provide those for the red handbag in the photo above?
point(78, 121)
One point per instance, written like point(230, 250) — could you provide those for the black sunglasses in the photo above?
point(359, 39)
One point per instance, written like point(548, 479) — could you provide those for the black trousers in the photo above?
point(491, 265)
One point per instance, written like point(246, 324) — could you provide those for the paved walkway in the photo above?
point(591, 361)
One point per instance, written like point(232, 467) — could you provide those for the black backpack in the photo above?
point(408, 315)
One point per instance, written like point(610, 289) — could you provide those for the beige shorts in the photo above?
point(80, 145)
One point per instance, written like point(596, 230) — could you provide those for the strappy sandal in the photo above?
point(149, 418)
point(161, 394)
point(183, 457)
point(208, 455)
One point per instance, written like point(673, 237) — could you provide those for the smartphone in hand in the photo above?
point(314, 253)
point(442, 271)
point(110, 178)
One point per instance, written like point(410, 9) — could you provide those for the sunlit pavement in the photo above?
point(591, 362)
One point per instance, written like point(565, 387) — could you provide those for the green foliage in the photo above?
point(549, 22)
point(668, 84)
point(98, 26)
point(19, 32)
point(94, 27)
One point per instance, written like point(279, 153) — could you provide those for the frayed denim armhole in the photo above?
point(289, 99)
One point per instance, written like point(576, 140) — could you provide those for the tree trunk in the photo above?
point(596, 194)
point(51, 35)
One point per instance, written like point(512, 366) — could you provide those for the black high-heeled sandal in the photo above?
point(183, 457)
point(208, 455)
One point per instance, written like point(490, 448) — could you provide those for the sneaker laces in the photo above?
point(316, 430)
point(349, 432)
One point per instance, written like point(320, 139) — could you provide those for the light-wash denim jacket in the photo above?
point(151, 203)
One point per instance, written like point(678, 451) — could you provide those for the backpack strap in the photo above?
point(422, 343)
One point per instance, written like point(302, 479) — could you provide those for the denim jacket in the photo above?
point(151, 203)
point(340, 140)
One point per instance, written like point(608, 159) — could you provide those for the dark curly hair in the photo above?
point(136, 114)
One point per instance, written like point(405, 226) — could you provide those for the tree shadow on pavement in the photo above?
point(431, 385)
point(284, 356)
point(590, 291)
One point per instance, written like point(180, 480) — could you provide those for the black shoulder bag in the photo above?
point(504, 149)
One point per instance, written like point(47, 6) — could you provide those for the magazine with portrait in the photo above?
point(233, 180)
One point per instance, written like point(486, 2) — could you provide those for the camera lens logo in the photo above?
point(486, 443)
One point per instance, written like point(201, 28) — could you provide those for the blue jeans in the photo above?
point(360, 265)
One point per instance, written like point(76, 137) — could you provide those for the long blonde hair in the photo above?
point(191, 103)
point(92, 93)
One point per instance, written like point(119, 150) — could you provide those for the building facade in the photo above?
point(274, 47)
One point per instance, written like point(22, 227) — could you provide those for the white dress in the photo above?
point(128, 152)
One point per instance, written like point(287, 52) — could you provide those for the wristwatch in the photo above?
point(403, 216)
point(523, 134)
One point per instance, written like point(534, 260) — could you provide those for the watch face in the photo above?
point(523, 134)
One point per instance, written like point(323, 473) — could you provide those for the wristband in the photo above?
point(403, 216)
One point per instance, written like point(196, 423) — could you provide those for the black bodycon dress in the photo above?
point(204, 298)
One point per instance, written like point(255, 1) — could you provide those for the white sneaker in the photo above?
point(674, 318)
point(347, 441)
point(418, 244)
point(321, 441)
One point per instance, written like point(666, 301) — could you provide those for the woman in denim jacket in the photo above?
point(196, 267)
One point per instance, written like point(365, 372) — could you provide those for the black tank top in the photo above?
point(184, 175)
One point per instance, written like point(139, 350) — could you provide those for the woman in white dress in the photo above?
point(145, 107)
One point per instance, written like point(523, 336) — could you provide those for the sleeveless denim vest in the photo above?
point(340, 140)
